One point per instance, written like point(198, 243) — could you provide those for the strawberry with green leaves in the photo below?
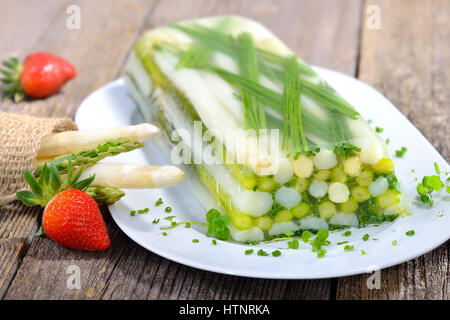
point(41, 75)
point(71, 216)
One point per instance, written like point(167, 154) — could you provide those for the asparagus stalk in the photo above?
point(129, 176)
point(71, 141)
point(105, 195)
point(83, 158)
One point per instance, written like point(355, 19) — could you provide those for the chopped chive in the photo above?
point(158, 202)
point(347, 233)
point(410, 233)
point(169, 218)
point(164, 233)
point(379, 130)
point(366, 237)
point(342, 242)
point(249, 251)
point(276, 253)
point(195, 240)
point(155, 221)
point(187, 225)
point(254, 115)
point(349, 248)
point(394, 242)
point(363, 252)
point(168, 209)
point(132, 213)
point(262, 253)
point(195, 57)
point(214, 242)
point(400, 153)
point(436, 168)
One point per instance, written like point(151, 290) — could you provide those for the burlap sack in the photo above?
point(20, 138)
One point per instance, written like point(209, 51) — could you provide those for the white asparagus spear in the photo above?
point(70, 141)
point(131, 176)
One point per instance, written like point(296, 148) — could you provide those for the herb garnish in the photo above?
point(346, 150)
point(218, 224)
point(430, 184)
point(319, 241)
point(306, 235)
point(293, 244)
point(276, 253)
point(195, 240)
point(349, 248)
point(410, 233)
point(262, 253)
point(379, 129)
point(347, 233)
point(400, 153)
point(249, 251)
point(158, 202)
point(366, 237)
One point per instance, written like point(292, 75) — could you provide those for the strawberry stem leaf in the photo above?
point(35, 187)
point(11, 77)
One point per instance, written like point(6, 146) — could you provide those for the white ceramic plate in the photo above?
point(110, 106)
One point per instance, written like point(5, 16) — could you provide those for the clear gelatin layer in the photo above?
point(280, 149)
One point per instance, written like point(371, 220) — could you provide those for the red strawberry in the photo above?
point(41, 75)
point(72, 218)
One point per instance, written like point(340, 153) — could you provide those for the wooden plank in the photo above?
point(97, 50)
point(127, 271)
point(10, 253)
point(408, 61)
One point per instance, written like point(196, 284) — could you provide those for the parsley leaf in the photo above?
point(293, 244)
point(218, 225)
point(306, 235)
point(320, 240)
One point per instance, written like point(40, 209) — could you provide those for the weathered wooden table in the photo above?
point(407, 59)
